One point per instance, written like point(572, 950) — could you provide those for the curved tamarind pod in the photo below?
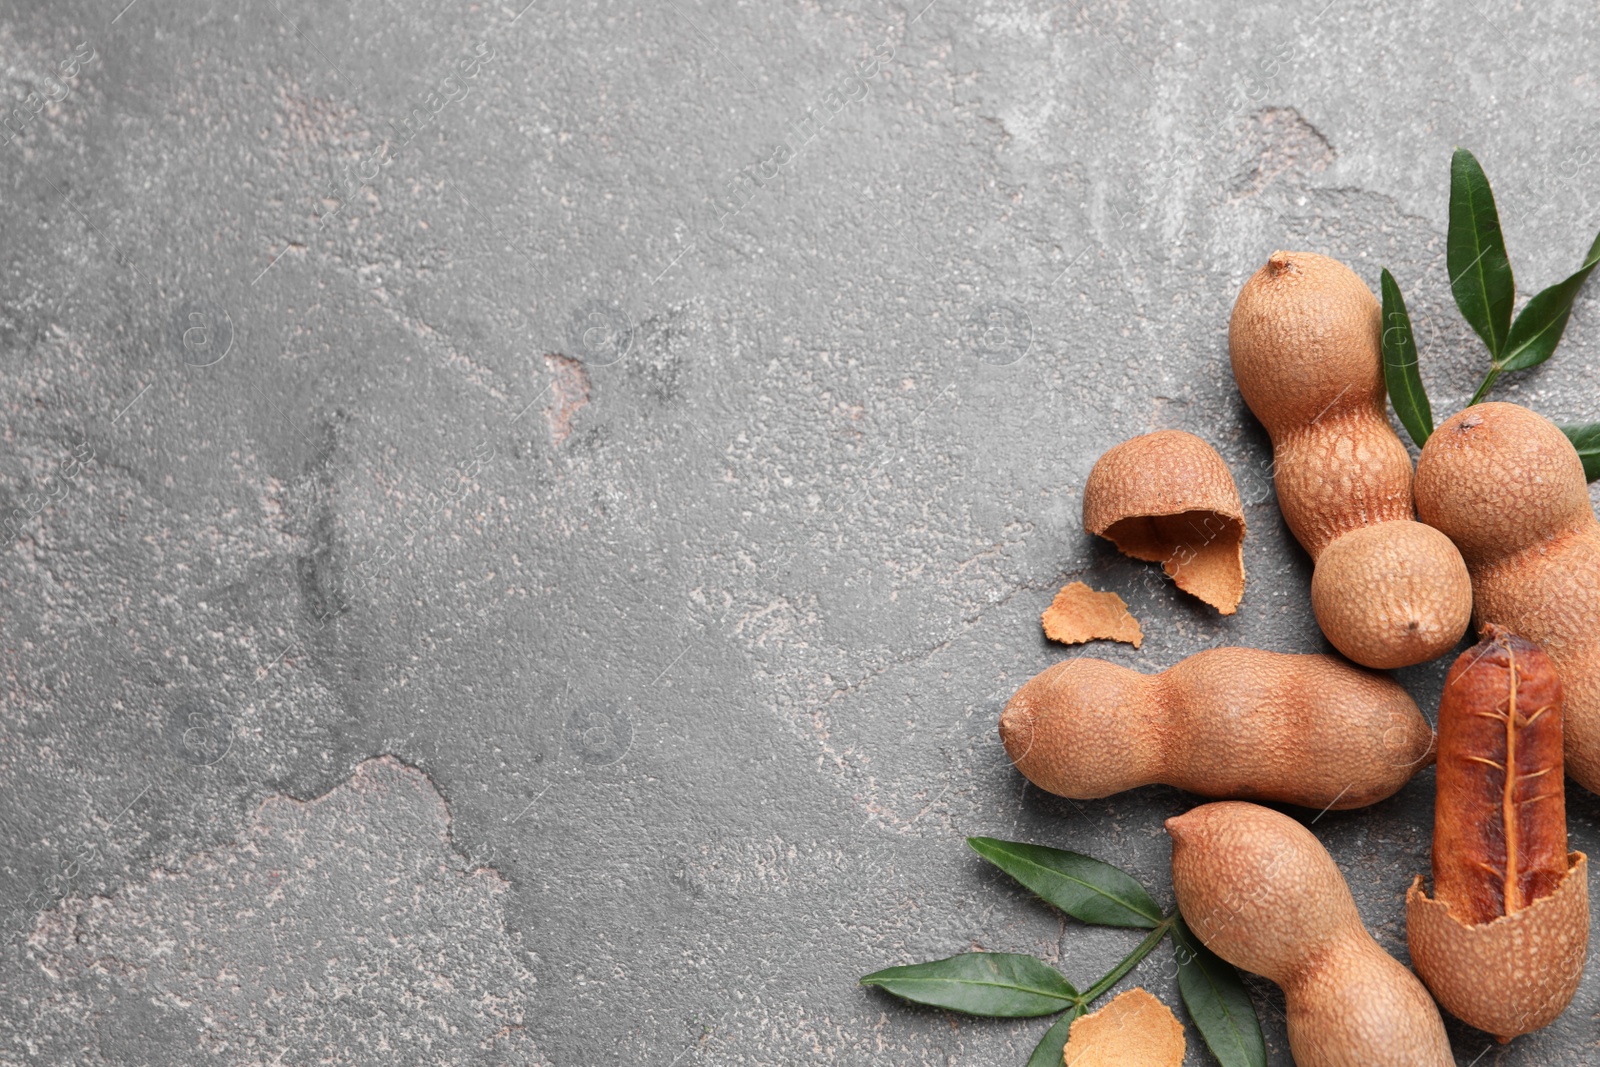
point(1227, 722)
point(1261, 892)
point(1508, 488)
point(1304, 342)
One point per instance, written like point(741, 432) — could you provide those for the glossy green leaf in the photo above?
point(1084, 888)
point(1586, 439)
point(1002, 984)
point(1049, 1052)
point(1400, 372)
point(1475, 254)
point(1539, 327)
point(1218, 1002)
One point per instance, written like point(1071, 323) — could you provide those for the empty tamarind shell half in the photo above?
point(1514, 974)
point(1167, 497)
point(1502, 942)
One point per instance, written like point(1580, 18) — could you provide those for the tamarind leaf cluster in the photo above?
point(1483, 284)
point(1010, 985)
point(1485, 291)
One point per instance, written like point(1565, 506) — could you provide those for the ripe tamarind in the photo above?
point(1227, 722)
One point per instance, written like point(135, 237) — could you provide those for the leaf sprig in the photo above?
point(1485, 290)
point(1010, 985)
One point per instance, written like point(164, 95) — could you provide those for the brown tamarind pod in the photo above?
point(1260, 891)
point(1305, 342)
point(1503, 941)
point(1226, 722)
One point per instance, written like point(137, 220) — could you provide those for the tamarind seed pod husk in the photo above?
point(1168, 497)
point(1502, 942)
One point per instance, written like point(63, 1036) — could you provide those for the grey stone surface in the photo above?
point(663, 452)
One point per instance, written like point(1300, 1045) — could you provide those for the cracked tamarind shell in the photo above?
point(1508, 488)
point(1502, 943)
point(1510, 976)
point(1304, 343)
point(1167, 497)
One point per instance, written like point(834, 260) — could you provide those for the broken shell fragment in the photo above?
point(1080, 614)
point(1135, 1028)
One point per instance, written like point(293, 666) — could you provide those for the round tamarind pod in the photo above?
point(1508, 488)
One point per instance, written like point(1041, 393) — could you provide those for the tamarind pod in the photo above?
point(1500, 817)
point(1226, 722)
point(1502, 943)
point(1260, 891)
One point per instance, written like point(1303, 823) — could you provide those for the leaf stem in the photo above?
point(1129, 962)
point(1488, 383)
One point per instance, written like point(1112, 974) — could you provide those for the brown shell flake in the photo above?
point(1168, 497)
point(1080, 614)
point(1135, 1028)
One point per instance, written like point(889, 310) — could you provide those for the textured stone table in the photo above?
point(522, 521)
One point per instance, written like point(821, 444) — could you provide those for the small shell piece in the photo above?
point(1080, 614)
point(1167, 497)
point(1135, 1028)
point(1512, 975)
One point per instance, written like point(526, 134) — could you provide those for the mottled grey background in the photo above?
point(669, 550)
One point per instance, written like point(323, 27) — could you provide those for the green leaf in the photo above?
point(1410, 399)
point(1002, 984)
point(1052, 1047)
point(1218, 1002)
point(1475, 254)
point(1538, 329)
point(1586, 439)
point(1084, 888)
